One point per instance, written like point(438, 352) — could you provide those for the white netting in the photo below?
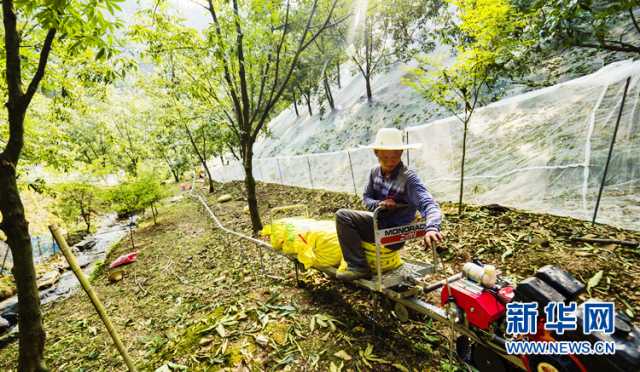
point(542, 151)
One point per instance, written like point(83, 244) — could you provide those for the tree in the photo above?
point(77, 199)
point(137, 194)
point(200, 144)
point(176, 87)
point(77, 24)
point(484, 33)
point(254, 52)
point(305, 79)
point(172, 147)
point(328, 49)
point(386, 34)
point(604, 25)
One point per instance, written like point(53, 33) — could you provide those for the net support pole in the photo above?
point(280, 171)
point(407, 142)
point(73, 264)
point(353, 179)
point(613, 141)
point(310, 174)
point(259, 171)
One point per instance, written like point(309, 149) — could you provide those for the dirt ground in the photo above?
point(197, 299)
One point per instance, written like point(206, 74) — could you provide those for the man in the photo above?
point(389, 184)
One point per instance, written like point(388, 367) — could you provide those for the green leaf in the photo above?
point(312, 323)
point(400, 367)
point(334, 368)
point(221, 331)
point(507, 253)
point(343, 355)
point(594, 281)
point(100, 54)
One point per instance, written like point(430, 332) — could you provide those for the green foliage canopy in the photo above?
point(136, 194)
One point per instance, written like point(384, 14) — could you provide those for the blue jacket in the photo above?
point(404, 186)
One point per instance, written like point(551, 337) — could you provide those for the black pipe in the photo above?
point(613, 141)
point(501, 341)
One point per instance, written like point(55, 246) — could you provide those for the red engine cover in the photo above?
point(480, 307)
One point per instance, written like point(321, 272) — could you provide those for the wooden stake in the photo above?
point(73, 263)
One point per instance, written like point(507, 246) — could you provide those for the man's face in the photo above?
point(388, 159)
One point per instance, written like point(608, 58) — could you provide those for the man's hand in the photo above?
point(432, 239)
point(387, 204)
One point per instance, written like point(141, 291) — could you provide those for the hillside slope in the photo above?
point(355, 121)
point(198, 297)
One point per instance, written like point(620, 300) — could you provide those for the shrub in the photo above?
point(136, 195)
point(78, 200)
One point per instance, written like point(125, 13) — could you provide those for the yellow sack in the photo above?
point(315, 242)
point(292, 235)
point(277, 234)
point(389, 260)
point(322, 250)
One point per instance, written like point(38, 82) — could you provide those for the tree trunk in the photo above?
point(464, 153)
point(154, 213)
point(133, 167)
point(206, 169)
point(200, 156)
point(338, 68)
point(295, 103)
point(176, 177)
point(15, 226)
point(204, 161)
point(250, 184)
point(327, 91)
point(367, 80)
point(307, 98)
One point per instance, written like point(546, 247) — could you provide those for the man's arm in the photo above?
point(368, 197)
point(420, 197)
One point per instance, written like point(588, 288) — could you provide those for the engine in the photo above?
point(481, 297)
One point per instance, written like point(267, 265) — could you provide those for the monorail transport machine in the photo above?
point(474, 304)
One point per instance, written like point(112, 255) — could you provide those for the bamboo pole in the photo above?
point(73, 263)
point(613, 141)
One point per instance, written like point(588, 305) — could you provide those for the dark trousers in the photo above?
point(353, 227)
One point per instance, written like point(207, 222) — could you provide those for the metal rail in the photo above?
point(221, 227)
point(416, 304)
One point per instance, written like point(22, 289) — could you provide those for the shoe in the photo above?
point(351, 275)
point(440, 249)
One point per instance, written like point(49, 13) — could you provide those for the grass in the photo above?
point(197, 298)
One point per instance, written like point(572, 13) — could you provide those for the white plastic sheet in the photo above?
point(543, 151)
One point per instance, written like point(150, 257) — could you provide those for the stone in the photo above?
point(115, 276)
point(224, 198)
point(85, 245)
point(48, 279)
point(4, 324)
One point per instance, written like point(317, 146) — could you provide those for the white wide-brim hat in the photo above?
point(390, 139)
